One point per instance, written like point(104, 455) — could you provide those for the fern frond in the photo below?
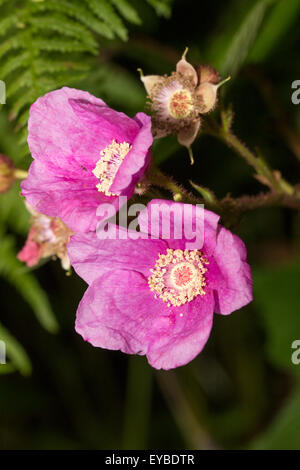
point(23, 81)
point(48, 44)
point(13, 63)
point(7, 23)
point(65, 27)
point(127, 11)
point(78, 12)
point(105, 12)
point(162, 7)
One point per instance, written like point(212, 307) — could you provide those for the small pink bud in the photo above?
point(7, 176)
point(208, 74)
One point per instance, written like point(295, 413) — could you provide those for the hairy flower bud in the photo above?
point(208, 93)
point(177, 101)
point(207, 73)
point(48, 237)
point(7, 176)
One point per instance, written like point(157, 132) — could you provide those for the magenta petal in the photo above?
point(118, 311)
point(69, 199)
point(137, 159)
point(190, 227)
point(129, 318)
point(54, 128)
point(233, 282)
point(90, 256)
point(178, 347)
point(105, 121)
point(68, 129)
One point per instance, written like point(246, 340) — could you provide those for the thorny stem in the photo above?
point(230, 209)
point(158, 178)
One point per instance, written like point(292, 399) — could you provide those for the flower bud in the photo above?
point(7, 177)
point(47, 237)
point(207, 73)
point(208, 94)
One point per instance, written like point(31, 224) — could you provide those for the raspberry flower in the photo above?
point(178, 101)
point(85, 154)
point(48, 237)
point(153, 293)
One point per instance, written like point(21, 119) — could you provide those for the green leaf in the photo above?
point(64, 26)
point(127, 11)
point(7, 368)
point(283, 431)
point(206, 193)
point(79, 13)
point(14, 63)
point(7, 23)
point(105, 12)
point(49, 44)
point(15, 352)
point(279, 23)
point(162, 7)
point(62, 45)
point(276, 292)
point(13, 213)
point(26, 284)
point(242, 40)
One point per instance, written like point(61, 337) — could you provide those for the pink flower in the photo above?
point(85, 154)
point(177, 101)
point(48, 237)
point(31, 252)
point(154, 296)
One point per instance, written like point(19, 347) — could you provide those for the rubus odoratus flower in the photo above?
point(85, 154)
point(48, 237)
point(156, 295)
point(177, 101)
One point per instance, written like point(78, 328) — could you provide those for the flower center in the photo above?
point(178, 276)
point(107, 167)
point(180, 104)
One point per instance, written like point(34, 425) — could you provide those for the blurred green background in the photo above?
point(242, 391)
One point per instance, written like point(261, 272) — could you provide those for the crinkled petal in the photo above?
point(184, 226)
point(118, 311)
point(56, 135)
point(105, 123)
point(186, 340)
point(68, 199)
point(67, 130)
point(232, 277)
point(91, 256)
point(137, 159)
